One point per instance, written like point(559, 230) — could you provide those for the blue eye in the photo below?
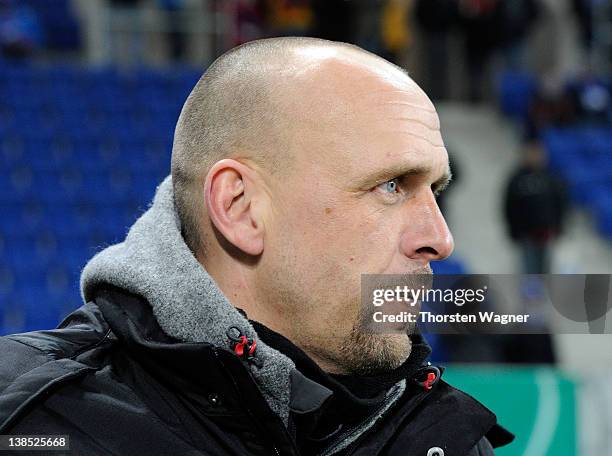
point(390, 189)
point(391, 186)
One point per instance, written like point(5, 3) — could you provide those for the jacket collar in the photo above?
point(191, 315)
point(154, 262)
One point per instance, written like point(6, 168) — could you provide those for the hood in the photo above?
point(154, 262)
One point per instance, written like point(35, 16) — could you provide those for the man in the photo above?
point(535, 205)
point(227, 321)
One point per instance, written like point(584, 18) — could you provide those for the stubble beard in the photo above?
point(345, 345)
point(367, 353)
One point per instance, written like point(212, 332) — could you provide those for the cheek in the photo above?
point(303, 230)
point(376, 240)
point(352, 234)
point(313, 221)
point(355, 238)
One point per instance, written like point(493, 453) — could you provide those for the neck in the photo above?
point(235, 279)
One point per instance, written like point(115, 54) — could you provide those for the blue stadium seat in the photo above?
point(7, 279)
point(26, 255)
point(12, 318)
point(65, 221)
point(583, 156)
point(59, 24)
point(144, 187)
point(83, 151)
point(604, 222)
point(516, 91)
point(564, 148)
point(21, 219)
point(449, 266)
point(42, 311)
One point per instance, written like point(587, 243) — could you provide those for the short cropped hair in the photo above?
point(240, 107)
point(231, 110)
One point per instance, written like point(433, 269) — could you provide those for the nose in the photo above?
point(427, 236)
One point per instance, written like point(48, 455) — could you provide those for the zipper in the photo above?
point(237, 389)
point(357, 430)
point(353, 445)
point(427, 385)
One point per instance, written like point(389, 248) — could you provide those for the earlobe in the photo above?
point(231, 195)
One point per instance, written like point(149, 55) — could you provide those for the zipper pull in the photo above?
point(242, 346)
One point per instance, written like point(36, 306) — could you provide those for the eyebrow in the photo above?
point(442, 184)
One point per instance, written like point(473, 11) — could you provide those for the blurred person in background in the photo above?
point(550, 106)
point(396, 35)
point(534, 207)
point(583, 9)
point(334, 20)
point(287, 17)
point(248, 20)
point(368, 25)
point(436, 19)
point(124, 31)
point(175, 35)
point(20, 31)
point(482, 25)
point(518, 19)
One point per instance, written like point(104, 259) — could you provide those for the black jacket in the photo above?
point(112, 380)
point(159, 362)
point(535, 204)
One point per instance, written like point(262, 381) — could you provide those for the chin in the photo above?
point(370, 354)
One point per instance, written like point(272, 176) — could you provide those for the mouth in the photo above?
point(391, 303)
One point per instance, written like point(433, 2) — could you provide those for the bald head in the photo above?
point(251, 104)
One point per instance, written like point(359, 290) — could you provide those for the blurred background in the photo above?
point(90, 91)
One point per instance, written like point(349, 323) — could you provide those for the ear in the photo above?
point(233, 205)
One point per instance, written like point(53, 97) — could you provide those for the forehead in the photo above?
point(385, 122)
point(398, 125)
point(352, 114)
